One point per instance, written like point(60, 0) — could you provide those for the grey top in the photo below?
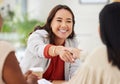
point(34, 54)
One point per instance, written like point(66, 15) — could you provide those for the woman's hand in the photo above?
point(67, 54)
point(75, 52)
point(31, 78)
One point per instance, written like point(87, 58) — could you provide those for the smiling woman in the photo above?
point(48, 46)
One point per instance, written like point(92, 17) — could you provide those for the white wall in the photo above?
point(86, 16)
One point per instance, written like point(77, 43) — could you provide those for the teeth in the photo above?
point(63, 30)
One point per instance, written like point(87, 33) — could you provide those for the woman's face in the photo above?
point(62, 24)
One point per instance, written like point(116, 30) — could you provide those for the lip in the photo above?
point(62, 31)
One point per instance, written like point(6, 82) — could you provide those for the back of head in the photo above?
point(110, 31)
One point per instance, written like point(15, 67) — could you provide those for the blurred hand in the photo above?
point(31, 78)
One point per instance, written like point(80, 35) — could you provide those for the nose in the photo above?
point(64, 24)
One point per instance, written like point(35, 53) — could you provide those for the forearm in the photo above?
point(55, 50)
point(66, 54)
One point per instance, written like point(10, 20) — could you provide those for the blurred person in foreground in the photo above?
point(10, 72)
point(102, 66)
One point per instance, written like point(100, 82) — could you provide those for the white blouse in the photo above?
point(97, 70)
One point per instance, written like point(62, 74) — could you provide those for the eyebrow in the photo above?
point(61, 18)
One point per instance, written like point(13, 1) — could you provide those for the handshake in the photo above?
point(66, 54)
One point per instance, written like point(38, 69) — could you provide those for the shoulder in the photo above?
point(98, 57)
point(40, 32)
point(96, 66)
point(4, 42)
point(5, 46)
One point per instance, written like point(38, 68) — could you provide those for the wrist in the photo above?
point(58, 50)
point(54, 50)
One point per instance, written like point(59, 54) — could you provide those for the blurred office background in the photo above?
point(20, 16)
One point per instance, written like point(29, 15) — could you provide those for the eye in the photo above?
point(59, 20)
point(69, 21)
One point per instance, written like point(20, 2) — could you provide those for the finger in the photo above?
point(27, 73)
point(64, 58)
point(76, 53)
point(69, 56)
